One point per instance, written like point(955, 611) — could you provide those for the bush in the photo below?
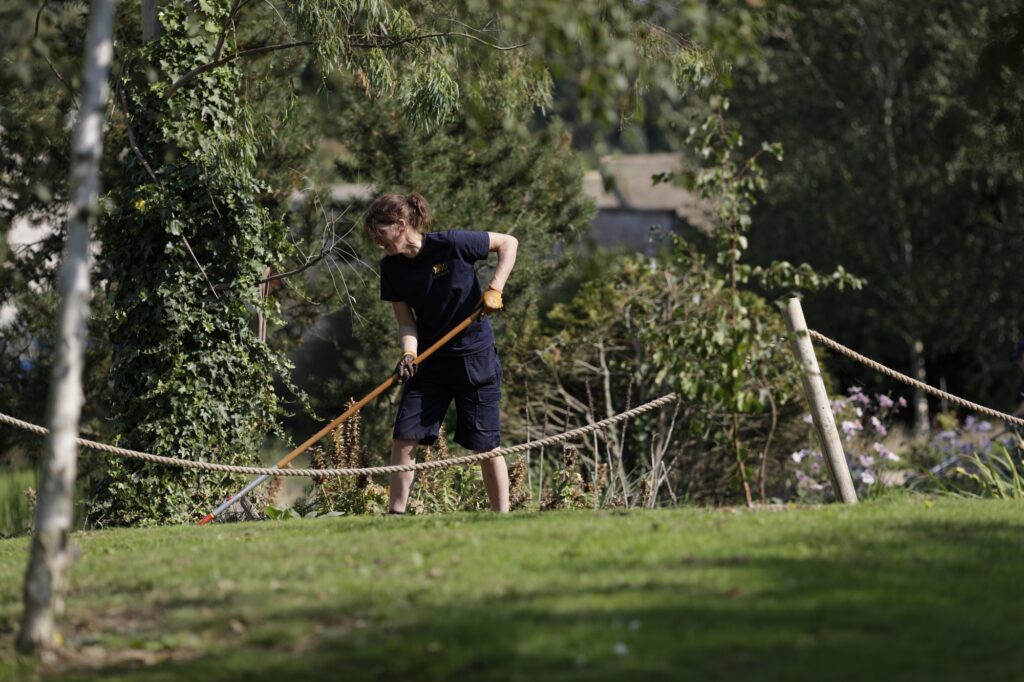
point(865, 422)
point(446, 489)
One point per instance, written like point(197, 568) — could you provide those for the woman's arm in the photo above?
point(406, 327)
point(506, 246)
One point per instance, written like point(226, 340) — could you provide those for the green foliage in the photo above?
point(996, 92)
point(994, 474)
point(198, 162)
point(17, 501)
point(41, 48)
point(493, 61)
point(281, 513)
point(193, 380)
point(692, 324)
point(568, 490)
point(896, 119)
point(346, 494)
point(39, 74)
point(644, 328)
point(731, 180)
point(448, 489)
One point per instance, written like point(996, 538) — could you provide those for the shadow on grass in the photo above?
point(924, 601)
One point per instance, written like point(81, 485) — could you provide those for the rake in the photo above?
point(315, 438)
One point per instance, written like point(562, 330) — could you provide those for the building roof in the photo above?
point(344, 192)
point(631, 187)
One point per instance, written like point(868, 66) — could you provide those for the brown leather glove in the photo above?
point(406, 368)
point(492, 301)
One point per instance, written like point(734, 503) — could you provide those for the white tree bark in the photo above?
point(922, 420)
point(50, 558)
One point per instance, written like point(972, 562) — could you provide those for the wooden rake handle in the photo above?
point(315, 438)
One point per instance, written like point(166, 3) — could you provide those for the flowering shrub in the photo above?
point(864, 422)
point(974, 457)
point(956, 439)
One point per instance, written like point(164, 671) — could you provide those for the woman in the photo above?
point(430, 281)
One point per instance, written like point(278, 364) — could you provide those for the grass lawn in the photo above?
point(907, 588)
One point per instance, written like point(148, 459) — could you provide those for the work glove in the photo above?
point(406, 368)
point(492, 301)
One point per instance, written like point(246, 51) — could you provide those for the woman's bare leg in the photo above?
point(402, 452)
point(496, 481)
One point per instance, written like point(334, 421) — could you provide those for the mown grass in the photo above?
point(896, 589)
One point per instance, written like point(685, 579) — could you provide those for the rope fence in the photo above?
point(326, 473)
point(498, 452)
point(910, 381)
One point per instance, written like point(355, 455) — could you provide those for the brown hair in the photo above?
point(388, 209)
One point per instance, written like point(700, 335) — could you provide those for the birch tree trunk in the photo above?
point(50, 558)
point(922, 420)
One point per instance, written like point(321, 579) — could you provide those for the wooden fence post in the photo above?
point(821, 408)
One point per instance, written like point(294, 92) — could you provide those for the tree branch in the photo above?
point(302, 268)
point(310, 262)
point(224, 31)
point(74, 96)
point(427, 36)
point(235, 9)
point(375, 44)
point(231, 57)
point(131, 136)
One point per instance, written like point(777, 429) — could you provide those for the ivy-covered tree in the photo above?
point(185, 242)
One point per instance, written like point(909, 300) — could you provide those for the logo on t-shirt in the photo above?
point(440, 270)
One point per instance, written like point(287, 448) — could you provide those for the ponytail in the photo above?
point(422, 219)
point(388, 209)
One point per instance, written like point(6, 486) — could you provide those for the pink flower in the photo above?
point(867, 476)
point(902, 402)
point(850, 426)
point(885, 402)
point(860, 398)
point(808, 419)
point(799, 455)
point(886, 453)
point(879, 427)
point(805, 480)
point(866, 461)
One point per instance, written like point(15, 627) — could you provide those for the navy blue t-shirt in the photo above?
point(441, 287)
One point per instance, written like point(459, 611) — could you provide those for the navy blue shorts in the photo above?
point(474, 381)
